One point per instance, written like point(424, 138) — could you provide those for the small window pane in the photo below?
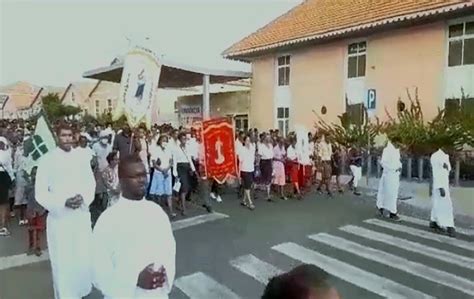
point(352, 67)
point(287, 60)
point(468, 51)
point(246, 124)
point(281, 126)
point(280, 113)
point(470, 28)
point(352, 49)
point(361, 66)
point(456, 30)
point(362, 47)
point(281, 60)
point(287, 123)
point(287, 112)
point(455, 53)
point(281, 76)
point(287, 76)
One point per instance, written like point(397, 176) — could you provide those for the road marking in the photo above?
point(356, 276)
point(417, 269)
point(428, 251)
point(200, 286)
point(422, 234)
point(464, 231)
point(12, 261)
point(261, 271)
point(18, 260)
point(180, 224)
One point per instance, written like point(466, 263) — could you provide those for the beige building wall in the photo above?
point(262, 93)
point(396, 60)
point(100, 97)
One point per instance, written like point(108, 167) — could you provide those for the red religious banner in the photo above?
point(219, 149)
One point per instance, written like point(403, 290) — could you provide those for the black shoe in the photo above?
point(270, 200)
point(329, 194)
point(380, 212)
point(434, 225)
point(395, 217)
point(357, 193)
point(451, 232)
point(208, 208)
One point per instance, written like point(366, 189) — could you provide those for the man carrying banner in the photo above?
point(65, 186)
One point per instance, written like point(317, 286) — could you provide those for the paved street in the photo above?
point(231, 254)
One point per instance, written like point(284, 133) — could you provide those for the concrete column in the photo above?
point(379, 167)
point(420, 169)
point(409, 170)
point(205, 97)
point(457, 171)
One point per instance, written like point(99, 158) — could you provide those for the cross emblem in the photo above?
point(35, 147)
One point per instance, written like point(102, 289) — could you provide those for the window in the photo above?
point(109, 106)
point(241, 122)
point(356, 60)
point(283, 119)
point(97, 108)
point(284, 70)
point(355, 113)
point(461, 44)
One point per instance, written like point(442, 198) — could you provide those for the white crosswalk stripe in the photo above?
point(361, 278)
point(464, 231)
point(428, 251)
point(201, 286)
point(261, 271)
point(435, 275)
point(7, 262)
point(180, 224)
point(422, 234)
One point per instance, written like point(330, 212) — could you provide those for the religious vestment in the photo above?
point(387, 194)
point(62, 175)
point(122, 249)
point(442, 207)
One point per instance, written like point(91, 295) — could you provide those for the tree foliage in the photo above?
point(55, 110)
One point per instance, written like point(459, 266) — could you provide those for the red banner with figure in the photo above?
point(219, 149)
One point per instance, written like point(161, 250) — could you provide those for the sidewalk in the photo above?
point(462, 197)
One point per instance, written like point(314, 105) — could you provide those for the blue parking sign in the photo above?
point(371, 99)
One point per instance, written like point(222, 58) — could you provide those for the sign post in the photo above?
point(371, 106)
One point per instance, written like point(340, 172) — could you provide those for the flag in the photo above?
point(138, 87)
point(219, 149)
point(39, 144)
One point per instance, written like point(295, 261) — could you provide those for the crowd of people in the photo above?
point(98, 177)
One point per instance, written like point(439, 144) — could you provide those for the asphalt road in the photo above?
point(232, 257)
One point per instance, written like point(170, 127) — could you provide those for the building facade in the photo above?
point(226, 100)
point(310, 69)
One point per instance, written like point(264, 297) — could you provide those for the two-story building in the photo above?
point(325, 56)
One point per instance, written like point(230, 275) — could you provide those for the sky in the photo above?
point(49, 42)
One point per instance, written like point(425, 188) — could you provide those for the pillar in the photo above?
point(409, 166)
point(205, 97)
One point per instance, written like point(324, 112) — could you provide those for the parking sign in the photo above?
point(371, 99)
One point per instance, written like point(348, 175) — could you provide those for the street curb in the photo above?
point(409, 208)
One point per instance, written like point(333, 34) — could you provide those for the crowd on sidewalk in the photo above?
point(85, 188)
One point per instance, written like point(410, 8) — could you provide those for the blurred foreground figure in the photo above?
point(134, 259)
point(303, 282)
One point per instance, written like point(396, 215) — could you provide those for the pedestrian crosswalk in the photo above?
point(365, 241)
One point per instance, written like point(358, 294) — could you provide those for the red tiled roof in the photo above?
point(317, 19)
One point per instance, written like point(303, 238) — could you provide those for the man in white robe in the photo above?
point(442, 206)
point(387, 194)
point(65, 186)
point(134, 259)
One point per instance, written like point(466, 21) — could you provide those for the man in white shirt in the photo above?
point(65, 186)
point(134, 259)
point(101, 150)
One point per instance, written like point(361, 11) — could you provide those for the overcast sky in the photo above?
point(54, 42)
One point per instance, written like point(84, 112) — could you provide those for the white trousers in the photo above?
point(357, 173)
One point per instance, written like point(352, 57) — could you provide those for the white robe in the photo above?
point(387, 194)
point(127, 237)
point(442, 207)
point(62, 175)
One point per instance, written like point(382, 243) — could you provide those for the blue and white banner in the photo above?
point(138, 87)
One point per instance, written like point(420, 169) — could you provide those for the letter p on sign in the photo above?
point(371, 99)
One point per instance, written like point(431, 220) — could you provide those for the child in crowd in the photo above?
point(36, 216)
